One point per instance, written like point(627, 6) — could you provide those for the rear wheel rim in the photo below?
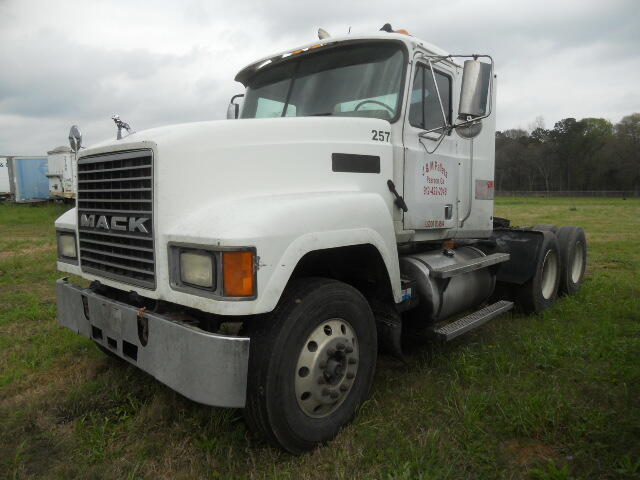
point(327, 367)
point(578, 262)
point(549, 274)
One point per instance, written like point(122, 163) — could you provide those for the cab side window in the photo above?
point(424, 111)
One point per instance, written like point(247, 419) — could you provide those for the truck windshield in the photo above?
point(354, 81)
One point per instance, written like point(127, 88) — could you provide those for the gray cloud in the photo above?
point(165, 62)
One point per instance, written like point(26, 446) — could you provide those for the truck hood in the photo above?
point(245, 132)
point(213, 165)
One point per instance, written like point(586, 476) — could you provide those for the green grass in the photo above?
point(548, 397)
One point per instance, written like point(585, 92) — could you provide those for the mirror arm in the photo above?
point(445, 122)
point(438, 141)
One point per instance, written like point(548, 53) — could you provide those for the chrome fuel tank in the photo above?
point(442, 298)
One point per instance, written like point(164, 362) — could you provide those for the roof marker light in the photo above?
point(389, 29)
point(265, 63)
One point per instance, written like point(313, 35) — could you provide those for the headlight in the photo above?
point(67, 245)
point(214, 272)
point(196, 268)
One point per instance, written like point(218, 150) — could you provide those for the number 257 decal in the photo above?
point(380, 135)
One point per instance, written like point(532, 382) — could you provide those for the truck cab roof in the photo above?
point(411, 43)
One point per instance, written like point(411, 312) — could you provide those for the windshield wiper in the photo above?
point(327, 114)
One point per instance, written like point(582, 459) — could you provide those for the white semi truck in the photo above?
point(261, 262)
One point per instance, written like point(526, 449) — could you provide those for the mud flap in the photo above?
point(389, 327)
point(523, 246)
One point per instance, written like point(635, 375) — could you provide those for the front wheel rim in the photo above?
point(327, 367)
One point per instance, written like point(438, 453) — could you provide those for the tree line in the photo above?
point(587, 154)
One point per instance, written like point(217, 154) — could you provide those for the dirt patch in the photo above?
point(27, 251)
point(610, 266)
point(45, 388)
point(26, 329)
point(529, 452)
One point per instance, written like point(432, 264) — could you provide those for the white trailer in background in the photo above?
point(62, 173)
point(5, 187)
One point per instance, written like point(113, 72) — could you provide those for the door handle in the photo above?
point(399, 201)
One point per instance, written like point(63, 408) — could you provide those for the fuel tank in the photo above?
point(443, 297)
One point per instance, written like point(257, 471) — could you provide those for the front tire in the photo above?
point(311, 364)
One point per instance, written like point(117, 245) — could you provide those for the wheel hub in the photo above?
point(335, 369)
point(326, 368)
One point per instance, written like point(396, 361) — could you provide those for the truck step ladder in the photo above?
point(475, 264)
point(458, 327)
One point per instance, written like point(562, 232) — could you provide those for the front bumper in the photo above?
point(205, 367)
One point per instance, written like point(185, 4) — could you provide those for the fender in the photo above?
point(524, 247)
point(68, 219)
point(284, 228)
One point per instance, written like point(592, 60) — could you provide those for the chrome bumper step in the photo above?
point(458, 327)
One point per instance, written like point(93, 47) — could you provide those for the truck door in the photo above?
point(430, 179)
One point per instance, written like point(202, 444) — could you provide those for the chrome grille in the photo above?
point(115, 191)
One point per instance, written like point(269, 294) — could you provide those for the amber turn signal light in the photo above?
point(449, 244)
point(238, 272)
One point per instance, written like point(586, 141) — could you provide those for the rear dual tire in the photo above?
point(573, 254)
point(559, 269)
point(541, 291)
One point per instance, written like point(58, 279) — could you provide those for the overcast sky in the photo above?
point(163, 62)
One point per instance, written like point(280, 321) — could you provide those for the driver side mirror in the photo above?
point(474, 94)
point(233, 110)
